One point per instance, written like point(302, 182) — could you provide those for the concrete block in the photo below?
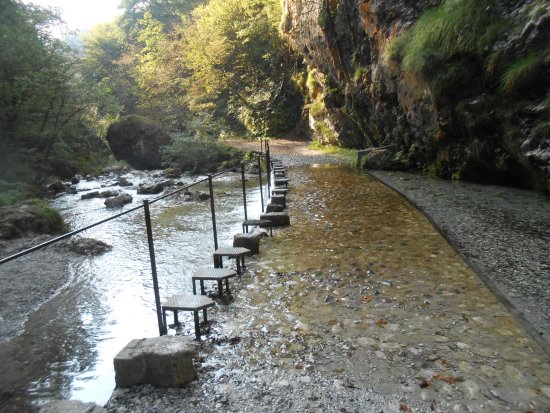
point(274, 208)
point(250, 241)
point(278, 219)
point(71, 406)
point(279, 200)
point(165, 361)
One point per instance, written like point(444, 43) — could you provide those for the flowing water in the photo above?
point(69, 345)
point(360, 289)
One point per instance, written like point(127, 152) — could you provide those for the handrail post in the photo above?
point(260, 177)
point(268, 163)
point(213, 211)
point(162, 328)
point(244, 191)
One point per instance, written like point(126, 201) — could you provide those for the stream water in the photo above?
point(360, 290)
point(69, 345)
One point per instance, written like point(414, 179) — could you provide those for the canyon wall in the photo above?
point(456, 88)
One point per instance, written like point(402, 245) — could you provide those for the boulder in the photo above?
point(172, 172)
point(84, 246)
point(57, 186)
point(118, 201)
point(71, 406)
point(250, 241)
point(90, 195)
point(376, 158)
point(29, 216)
point(108, 193)
point(274, 208)
point(149, 189)
point(138, 141)
point(278, 219)
point(124, 182)
point(165, 361)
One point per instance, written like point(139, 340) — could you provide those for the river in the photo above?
point(360, 302)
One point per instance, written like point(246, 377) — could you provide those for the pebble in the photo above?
point(471, 388)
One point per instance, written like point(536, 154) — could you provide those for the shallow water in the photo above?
point(360, 289)
point(68, 346)
point(363, 290)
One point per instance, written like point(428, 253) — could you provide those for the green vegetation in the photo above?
point(456, 27)
point(523, 72)
point(452, 43)
point(174, 62)
point(350, 154)
point(198, 150)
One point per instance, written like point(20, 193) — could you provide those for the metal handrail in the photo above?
point(77, 231)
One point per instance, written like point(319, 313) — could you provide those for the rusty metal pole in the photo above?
point(162, 327)
point(268, 163)
point(213, 211)
point(244, 191)
point(260, 177)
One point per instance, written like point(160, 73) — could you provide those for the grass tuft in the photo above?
point(522, 73)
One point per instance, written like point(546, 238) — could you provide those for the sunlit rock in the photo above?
point(165, 361)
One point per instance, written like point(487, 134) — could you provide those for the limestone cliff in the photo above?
point(457, 87)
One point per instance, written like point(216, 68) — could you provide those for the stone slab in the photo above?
point(248, 240)
point(278, 219)
point(165, 361)
point(274, 208)
point(279, 200)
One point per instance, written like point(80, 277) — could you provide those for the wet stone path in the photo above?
point(360, 305)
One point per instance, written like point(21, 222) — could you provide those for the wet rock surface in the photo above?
point(376, 313)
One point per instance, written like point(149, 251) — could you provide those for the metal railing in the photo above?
point(148, 222)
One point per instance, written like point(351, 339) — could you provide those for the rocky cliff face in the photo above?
point(460, 88)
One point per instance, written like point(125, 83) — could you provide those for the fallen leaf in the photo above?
point(368, 298)
point(404, 408)
point(448, 379)
point(299, 366)
point(333, 322)
point(381, 323)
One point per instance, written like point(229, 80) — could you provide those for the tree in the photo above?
point(239, 61)
point(47, 104)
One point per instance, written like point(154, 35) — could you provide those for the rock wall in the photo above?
point(453, 118)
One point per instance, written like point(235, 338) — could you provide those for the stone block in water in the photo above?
point(279, 200)
point(165, 361)
point(278, 219)
point(274, 208)
point(250, 241)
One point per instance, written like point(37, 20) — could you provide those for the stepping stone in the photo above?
point(279, 200)
point(282, 182)
point(278, 219)
point(165, 361)
point(231, 252)
point(187, 302)
point(274, 208)
point(250, 241)
point(279, 191)
point(213, 274)
point(262, 223)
